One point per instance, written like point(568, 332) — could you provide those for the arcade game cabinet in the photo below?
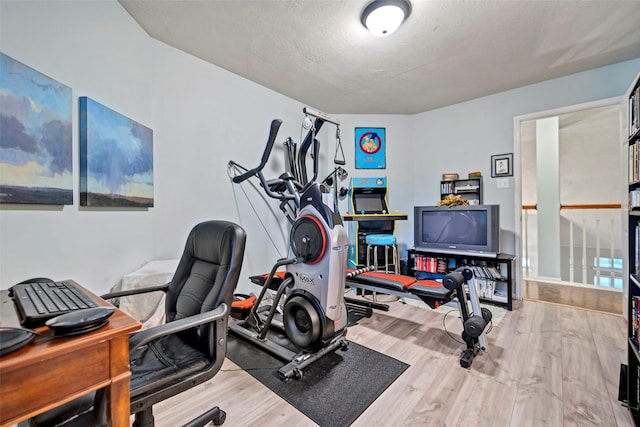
point(370, 215)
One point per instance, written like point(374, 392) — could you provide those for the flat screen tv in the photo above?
point(467, 229)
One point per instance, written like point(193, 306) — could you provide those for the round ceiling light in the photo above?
point(383, 17)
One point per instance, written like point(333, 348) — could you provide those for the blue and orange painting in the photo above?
point(116, 158)
point(370, 148)
point(36, 165)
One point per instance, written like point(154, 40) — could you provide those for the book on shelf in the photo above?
point(634, 199)
point(500, 294)
point(430, 264)
point(466, 189)
point(487, 272)
point(446, 187)
point(485, 288)
point(485, 281)
point(634, 318)
point(634, 112)
point(635, 268)
point(633, 170)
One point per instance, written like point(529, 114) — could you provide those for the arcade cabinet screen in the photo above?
point(368, 203)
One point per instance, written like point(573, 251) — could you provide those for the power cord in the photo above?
point(235, 197)
point(31, 331)
point(270, 368)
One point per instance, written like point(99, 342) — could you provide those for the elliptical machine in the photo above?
point(314, 314)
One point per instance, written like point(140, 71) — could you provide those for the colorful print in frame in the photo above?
point(116, 158)
point(36, 165)
point(370, 148)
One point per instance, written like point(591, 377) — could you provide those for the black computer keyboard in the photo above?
point(39, 301)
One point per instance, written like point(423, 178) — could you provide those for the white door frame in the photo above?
point(517, 176)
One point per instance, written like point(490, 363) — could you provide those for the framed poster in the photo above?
point(36, 165)
point(370, 148)
point(501, 165)
point(116, 158)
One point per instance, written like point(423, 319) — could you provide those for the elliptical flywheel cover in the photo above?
point(304, 321)
point(308, 239)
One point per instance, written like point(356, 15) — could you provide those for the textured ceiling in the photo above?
point(318, 52)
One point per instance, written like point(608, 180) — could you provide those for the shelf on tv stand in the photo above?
point(504, 263)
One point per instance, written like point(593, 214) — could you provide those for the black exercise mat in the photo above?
point(334, 390)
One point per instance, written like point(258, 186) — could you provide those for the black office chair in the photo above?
point(190, 347)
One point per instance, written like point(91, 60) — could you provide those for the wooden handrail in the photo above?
point(594, 206)
point(585, 206)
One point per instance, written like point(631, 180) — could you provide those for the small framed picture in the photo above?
point(501, 165)
point(370, 148)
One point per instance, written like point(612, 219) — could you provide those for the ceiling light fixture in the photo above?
point(383, 17)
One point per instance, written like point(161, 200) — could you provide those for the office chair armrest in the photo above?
point(138, 291)
point(140, 338)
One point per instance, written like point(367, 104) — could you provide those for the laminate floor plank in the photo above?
point(609, 333)
point(586, 389)
point(490, 402)
point(401, 403)
point(585, 393)
point(507, 346)
point(245, 400)
point(539, 396)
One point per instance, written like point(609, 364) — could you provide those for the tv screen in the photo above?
point(458, 229)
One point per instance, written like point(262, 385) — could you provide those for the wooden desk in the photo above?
point(48, 372)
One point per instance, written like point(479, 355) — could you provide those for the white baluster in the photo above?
point(584, 251)
point(612, 252)
point(526, 243)
point(596, 279)
point(571, 264)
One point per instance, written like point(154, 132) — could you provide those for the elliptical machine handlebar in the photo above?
point(316, 154)
point(257, 171)
point(273, 131)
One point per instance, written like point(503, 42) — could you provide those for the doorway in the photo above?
point(571, 226)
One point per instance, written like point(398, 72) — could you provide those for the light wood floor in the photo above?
point(576, 296)
point(548, 365)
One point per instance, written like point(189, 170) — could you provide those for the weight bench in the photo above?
point(434, 294)
point(429, 291)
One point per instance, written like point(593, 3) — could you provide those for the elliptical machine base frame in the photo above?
point(258, 325)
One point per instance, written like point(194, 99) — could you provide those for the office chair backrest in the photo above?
point(206, 276)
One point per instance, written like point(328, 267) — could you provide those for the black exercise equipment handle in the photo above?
point(273, 131)
point(304, 148)
point(316, 154)
point(455, 279)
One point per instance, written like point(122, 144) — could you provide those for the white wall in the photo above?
point(202, 117)
point(205, 116)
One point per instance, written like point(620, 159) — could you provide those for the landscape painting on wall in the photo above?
point(116, 158)
point(35, 137)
